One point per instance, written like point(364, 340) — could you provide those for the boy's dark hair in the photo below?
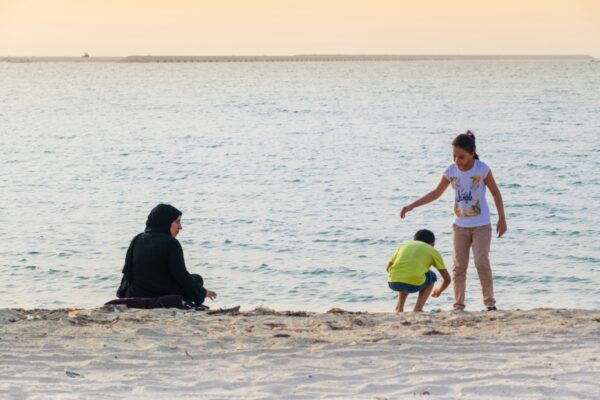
point(425, 235)
point(466, 141)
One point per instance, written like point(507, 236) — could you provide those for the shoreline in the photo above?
point(547, 321)
point(294, 58)
point(115, 352)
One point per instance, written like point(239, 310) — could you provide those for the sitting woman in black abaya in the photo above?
point(154, 274)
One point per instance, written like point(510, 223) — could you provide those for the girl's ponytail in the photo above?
point(472, 135)
point(466, 141)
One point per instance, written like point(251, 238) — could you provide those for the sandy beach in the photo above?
point(115, 352)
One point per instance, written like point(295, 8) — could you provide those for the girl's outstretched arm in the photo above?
point(428, 198)
point(491, 184)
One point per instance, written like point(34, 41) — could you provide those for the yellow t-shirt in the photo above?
point(412, 260)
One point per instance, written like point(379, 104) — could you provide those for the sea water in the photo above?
point(290, 176)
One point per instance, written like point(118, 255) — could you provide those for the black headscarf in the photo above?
point(160, 218)
point(159, 221)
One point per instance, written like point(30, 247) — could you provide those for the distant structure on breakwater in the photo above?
point(293, 58)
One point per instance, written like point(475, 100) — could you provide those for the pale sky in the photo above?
point(287, 27)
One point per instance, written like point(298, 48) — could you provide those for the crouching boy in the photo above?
point(408, 270)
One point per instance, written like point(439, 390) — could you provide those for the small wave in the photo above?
point(319, 271)
point(511, 186)
point(242, 221)
point(575, 279)
point(583, 259)
point(512, 278)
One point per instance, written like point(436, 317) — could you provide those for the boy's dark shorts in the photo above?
point(430, 278)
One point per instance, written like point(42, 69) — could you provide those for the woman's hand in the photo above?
point(211, 295)
point(501, 227)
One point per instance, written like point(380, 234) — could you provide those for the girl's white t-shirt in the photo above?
point(470, 207)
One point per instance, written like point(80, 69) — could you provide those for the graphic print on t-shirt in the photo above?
point(466, 201)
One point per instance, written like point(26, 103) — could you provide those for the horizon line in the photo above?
point(297, 57)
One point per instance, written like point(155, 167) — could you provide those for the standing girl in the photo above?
point(472, 228)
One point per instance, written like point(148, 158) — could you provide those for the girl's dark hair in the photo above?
point(466, 141)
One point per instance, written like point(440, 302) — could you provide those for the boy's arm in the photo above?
point(389, 266)
point(437, 291)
